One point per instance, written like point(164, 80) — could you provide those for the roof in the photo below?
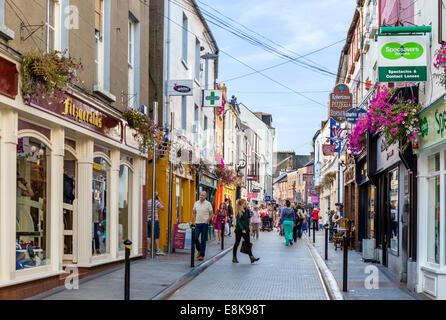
point(280, 178)
point(309, 163)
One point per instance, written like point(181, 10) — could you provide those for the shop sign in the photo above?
point(307, 177)
point(341, 100)
point(387, 155)
point(315, 199)
point(256, 190)
point(403, 58)
point(267, 198)
point(335, 135)
point(182, 237)
point(328, 149)
point(433, 124)
point(9, 78)
point(252, 195)
point(180, 88)
point(354, 115)
point(252, 178)
point(80, 113)
point(212, 98)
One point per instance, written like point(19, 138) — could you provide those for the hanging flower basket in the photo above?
point(199, 168)
point(146, 131)
point(48, 73)
point(395, 118)
point(440, 64)
point(328, 180)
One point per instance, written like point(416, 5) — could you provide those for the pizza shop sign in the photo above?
point(341, 101)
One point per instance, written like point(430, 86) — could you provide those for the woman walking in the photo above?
point(300, 220)
point(287, 219)
point(242, 230)
point(255, 223)
point(220, 215)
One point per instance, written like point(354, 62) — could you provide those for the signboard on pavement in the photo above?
point(182, 237)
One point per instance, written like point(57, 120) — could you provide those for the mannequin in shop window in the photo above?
point(23, 187)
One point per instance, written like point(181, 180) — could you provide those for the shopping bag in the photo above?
point(246, 247)
point(226, 228)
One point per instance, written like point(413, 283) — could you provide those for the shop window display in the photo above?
point(32, 221)
point(125, 194)
point(433, 224)
point(394, 211)
point(371, 213)
point(101, 172)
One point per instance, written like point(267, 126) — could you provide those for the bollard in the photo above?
point(344, 281)
point(128, 246)
point(326, 241)
point(314, 231)
point(192, 249)
point(222, 234)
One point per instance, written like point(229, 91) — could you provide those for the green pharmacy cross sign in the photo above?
point(212, 98)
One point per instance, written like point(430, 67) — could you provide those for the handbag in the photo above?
point(226, 228)
point(246, 247)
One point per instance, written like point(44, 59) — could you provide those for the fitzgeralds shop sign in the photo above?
point(433, 125)
point(402, 58)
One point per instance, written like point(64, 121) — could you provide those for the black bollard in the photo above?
point(314, 231)
point(128, 246)
point(344, 281)
point(192, 249)
point(326, 241)
point(222, 234)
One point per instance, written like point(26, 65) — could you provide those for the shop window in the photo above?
point(101, 177)
point(32, 221)
point(394, 211)
point(433, 217)
point(125, 208)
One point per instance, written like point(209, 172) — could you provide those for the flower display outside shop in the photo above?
point(440, 64)
point(395, 118)
point(48, 73)
point(223, 174)
point(146, 131)
point(200, 167)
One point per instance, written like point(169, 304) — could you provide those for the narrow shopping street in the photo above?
point(282, 273)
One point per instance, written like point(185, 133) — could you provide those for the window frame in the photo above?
point(100, 51)
point(184, 48)
point(53, 26)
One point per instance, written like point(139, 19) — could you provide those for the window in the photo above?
point(99, 43)
point(184, 113)
point(205, 125)
point(131, 71)
point(125, 208)
point(101, 178)
point(185, 31)
point(394, 211)
point(32, 220)
point(433, 214)
point(197, 60)
point(52, 25)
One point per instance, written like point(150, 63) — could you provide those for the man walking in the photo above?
point(158, 205)
point(202, 215)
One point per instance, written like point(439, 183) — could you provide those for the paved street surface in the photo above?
point(148, 277)
point(282, 273)
point(388, 289)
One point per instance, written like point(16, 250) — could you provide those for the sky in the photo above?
point(300, 26)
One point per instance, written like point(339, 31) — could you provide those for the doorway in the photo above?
point(69, 209)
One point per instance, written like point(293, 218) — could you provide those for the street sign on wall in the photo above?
point(403, 58)
point(352, 115)
point(340, 101)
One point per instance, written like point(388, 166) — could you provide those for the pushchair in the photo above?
point(266, 226)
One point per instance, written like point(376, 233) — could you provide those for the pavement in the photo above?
point(358, 271)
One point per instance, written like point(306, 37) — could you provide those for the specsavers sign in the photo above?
point(433, 125)
point(402, 58)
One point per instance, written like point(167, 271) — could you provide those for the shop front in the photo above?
point(432, 202)
point(78, 187)
point(208, 184)
point(350, 199)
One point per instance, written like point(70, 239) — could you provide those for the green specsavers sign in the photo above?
point(402, 58)
point(433, 124)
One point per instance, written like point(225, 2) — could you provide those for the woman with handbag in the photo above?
point(220, 215)
point(242, 231)
point(288, 219)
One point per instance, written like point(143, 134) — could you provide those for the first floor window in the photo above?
point(32, 221)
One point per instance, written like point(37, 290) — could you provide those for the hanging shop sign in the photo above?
point(387, 155)
point(315, 199)
point(433, 125)
point(252, 195)
point(212, 98)
point(9, 78)
point(306, 177)
point(402, 58)
point(352, 115)
point(328, 149)
point(336, 135)
point(81, 113)
point(180, 88)
point(340, 101)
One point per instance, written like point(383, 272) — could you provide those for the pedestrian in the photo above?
point(158, 206)
point(230, 214)
point(287, 219)
point(242, 230)
point(220, 215)
point(201, 215)
point(300, 220)
point(316, 218)
point(271, 217)
point(255, 223)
